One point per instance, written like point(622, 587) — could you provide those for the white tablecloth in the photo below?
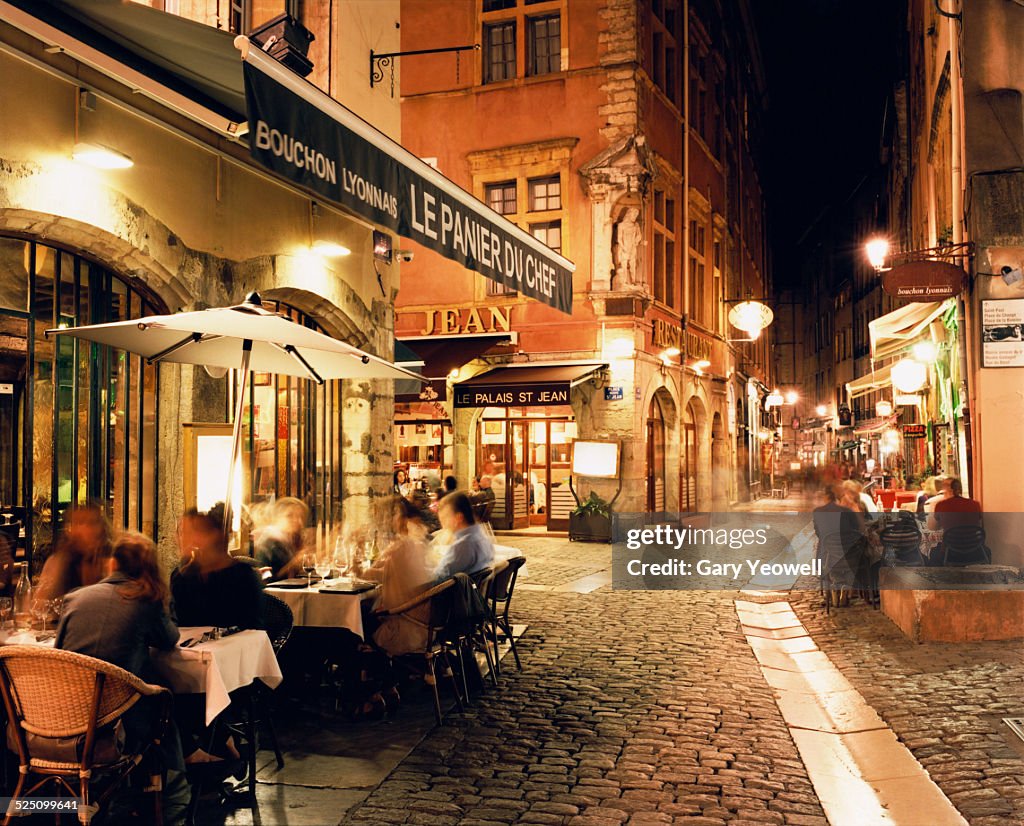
point(218, 667)
point(508, 552)
point(312, 609)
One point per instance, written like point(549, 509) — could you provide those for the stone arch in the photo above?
point(663, 395)
point(120, 255)
point(695, 413)
point(335, 321)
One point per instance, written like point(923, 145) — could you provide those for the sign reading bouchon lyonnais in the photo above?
point(294, 138)
point(915, 431)
point(924, 281)
point(502, 395)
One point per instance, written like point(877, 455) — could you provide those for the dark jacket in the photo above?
point(99, 622)
point(225, 598)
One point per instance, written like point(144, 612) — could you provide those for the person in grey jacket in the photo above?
point(117, 620)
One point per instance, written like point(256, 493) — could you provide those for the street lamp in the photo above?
point(878, 251)
point(821, 410)
point(792, 397)
point(908, 375)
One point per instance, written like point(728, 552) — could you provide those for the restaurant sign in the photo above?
point(915, 431)
point(346, 161)
point(671, 334)
point(924, 281)
point(504, 395)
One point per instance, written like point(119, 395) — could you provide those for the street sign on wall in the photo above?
point(924, 281)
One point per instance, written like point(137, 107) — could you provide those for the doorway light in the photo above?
point(101, 157)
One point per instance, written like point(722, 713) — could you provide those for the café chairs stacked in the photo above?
point(65, 713)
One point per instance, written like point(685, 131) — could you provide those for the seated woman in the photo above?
point(404, 571)
point(118, 620)
point(279, 545)
point(81, 554)
point(209, 587)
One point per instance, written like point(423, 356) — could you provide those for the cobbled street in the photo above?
point(632, 707)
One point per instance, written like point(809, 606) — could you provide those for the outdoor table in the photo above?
point(312, 608)
point(506, 552)
point(214, 668)
point(218, 667)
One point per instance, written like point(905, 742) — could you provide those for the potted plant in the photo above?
point(591, 520)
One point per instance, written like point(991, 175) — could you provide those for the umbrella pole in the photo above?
point(236, 432)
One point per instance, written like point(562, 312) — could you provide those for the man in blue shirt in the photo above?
point(471, 549)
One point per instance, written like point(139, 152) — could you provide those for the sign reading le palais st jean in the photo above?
point(294, 138)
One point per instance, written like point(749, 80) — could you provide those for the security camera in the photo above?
point(405, 256)
point(1012, 276)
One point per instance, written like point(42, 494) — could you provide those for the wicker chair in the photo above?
point(477, 638)
point(442, 637)
point(965, 545)
point(64, 711)
point(499, 597)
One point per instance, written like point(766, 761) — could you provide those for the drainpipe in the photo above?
point(956, 101)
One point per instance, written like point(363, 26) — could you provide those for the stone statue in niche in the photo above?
point(628, 237)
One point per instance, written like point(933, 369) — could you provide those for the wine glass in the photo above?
point(309, 565)
point(40, 610)
point(340, 557)
point(56, 608)
point(6, 611)
point(323, 566)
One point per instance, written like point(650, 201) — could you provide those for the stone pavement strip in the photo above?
point(633, 707)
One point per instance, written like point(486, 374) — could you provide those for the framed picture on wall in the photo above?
point(435, 432)
point(492, 428)
point(421, 429)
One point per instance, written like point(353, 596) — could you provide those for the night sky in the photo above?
point(830, 65)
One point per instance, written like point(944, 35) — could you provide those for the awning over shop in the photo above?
point(526, 385)
point(309, 138)
point(185, 65)
point(439, 355)
point(876, 425)
point(894, 331)
point(873, 381)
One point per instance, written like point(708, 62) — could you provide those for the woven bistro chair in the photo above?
point(64, 711)
point(477, 636)
point(499, 599)
point(965, 545)
point(439, 644)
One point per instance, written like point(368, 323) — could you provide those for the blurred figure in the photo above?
point(471, 548)
point(402, 484)
point(403, 572)
point(954, 509)
point(451, 484)
point(118, 620)
point(427, 514)
point(210, 587)
point(81, 554)
point(279, 545)
point(855, 498)
point(928, 490)
point(832, 517)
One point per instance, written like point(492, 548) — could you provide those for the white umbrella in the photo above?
point(244, 337)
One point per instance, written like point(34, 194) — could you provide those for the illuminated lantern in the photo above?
point(909, 376)
point(883, 408)
point(751, 317)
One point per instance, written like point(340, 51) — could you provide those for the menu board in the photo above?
point(1002, 331)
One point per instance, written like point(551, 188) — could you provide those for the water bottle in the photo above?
point(23, 600)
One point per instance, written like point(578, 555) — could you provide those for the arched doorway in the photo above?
point(78, 421)
point(655, 457)
point(688, 461)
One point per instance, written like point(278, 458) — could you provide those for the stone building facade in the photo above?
point(587, 125)
point(193, 223)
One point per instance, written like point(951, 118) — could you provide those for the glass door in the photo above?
point(517, 478)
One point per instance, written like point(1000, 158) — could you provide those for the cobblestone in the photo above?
point(632, 708)
point(945, 702)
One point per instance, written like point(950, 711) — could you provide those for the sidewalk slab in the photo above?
point(838, 711)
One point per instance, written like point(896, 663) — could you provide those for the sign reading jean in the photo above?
point(297, 140)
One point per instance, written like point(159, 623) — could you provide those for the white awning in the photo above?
point(894, 331)
point(875, 380)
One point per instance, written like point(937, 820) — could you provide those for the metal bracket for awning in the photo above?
point(380, 62)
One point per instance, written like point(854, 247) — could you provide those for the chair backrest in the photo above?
point(486, 509)
point(964, 544)
point(505, 579)
point(278, 620)
point(246, 560)
point(457, 608)
point(53, 693)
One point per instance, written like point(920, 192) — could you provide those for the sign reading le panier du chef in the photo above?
point(353, 165)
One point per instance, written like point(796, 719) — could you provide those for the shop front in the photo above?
point(523, 429)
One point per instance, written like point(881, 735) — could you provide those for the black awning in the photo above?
point(527, 385)
point(439, 356)
point(197, 61)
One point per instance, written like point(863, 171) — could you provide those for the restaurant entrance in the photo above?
point(527, 452)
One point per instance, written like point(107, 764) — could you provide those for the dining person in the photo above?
point(210, 587)
point(954, 509)
point(471, 549)
point(404, 572)
point(402, 486)
point(118, 620)
point(279, 545)
point(80, 556)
